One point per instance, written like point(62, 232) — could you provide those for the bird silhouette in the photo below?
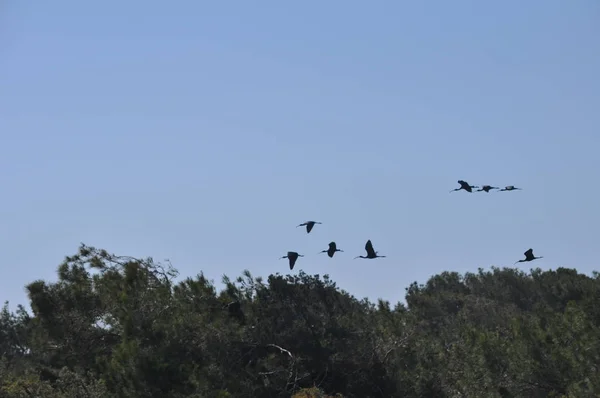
point(510, 188)
point(332, 249)
point(371, 253)
point(464, 185)
point(528, 257)
point(309, 225)
point(487, 188)
point(292, 257)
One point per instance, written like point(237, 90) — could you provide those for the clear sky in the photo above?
point(205, 131)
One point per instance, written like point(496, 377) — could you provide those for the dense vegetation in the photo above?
point(122, 327)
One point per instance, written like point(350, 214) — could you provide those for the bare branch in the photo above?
point(397, 344)
point(269, 373)
point(292, 368)
point(283, 350)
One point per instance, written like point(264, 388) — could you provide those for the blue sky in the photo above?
point(204, 132)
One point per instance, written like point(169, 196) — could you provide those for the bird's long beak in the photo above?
point(356, 257)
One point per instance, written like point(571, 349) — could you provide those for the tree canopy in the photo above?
point(116, 326)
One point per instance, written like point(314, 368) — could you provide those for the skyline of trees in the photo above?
point(117, 326)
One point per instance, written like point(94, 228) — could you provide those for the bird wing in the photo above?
point(369, 248)
point(463, 183)
point(332, 246)
point(529, 253)
point(309, 227)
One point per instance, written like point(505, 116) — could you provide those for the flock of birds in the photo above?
point(293, 256)
point(487, 188)
point(235, 308)
point(371, 253)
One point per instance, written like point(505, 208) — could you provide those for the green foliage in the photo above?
point(115, 326)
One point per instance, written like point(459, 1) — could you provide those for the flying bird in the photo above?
point(510, 188)
point(371, 253)
point(487, 188)
point(528, 257)
point(332, 249)
point(292, 257)
point(309, 225)
point(464, 185)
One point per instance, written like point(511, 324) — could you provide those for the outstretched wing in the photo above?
point(529, 253)
point(369, 248)
point(332, 246)
point(309, 227)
